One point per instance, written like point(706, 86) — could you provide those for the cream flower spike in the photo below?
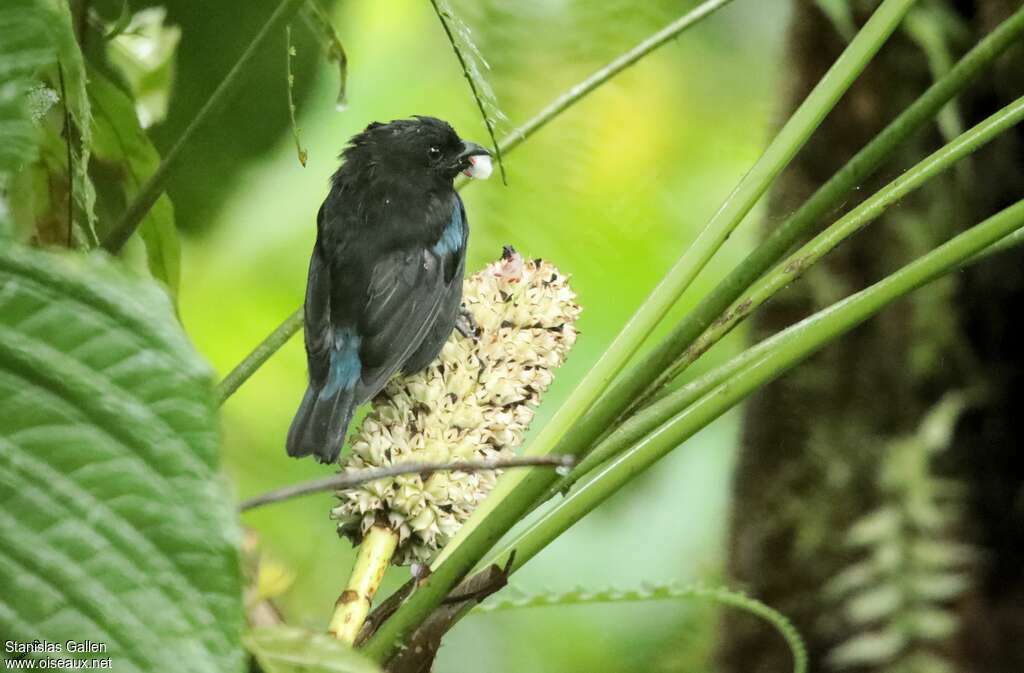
point(475, 402)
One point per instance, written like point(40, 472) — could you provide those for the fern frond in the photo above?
point(895, 596)
point(660, 592)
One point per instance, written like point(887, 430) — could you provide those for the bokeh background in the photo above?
point(611, 192)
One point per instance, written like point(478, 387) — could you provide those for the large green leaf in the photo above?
point(115, 525)
point(129, 158)
point(283, 649)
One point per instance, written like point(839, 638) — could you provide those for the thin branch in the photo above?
point(151, 191)
point(254, 360)
point(67, 142)
point(443, 18)
point(347, 480)
point(274, 341)
point(614, 67)
point(296, 132)
point(645, 377)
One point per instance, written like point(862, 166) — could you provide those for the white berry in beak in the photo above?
point(480, 167)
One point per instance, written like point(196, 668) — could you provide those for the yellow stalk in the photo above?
point(375, 552)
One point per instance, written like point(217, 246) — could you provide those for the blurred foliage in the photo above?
point(284, 649)
point(896, 600)
point(124, 155)
point(143, 48)
point(50, 194)
point(213, 35)
point(611, 192)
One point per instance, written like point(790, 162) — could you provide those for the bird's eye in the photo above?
point(434, 153)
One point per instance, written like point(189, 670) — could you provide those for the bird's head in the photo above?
point(422, 151)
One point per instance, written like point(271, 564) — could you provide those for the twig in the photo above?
point(614, 67)
point(348, 480)
point(289, 53)
point(472, 86)
point(241, 373)
point(67, 142)
point(269, 345)
point(151, 191)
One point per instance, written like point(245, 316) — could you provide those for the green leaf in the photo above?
point(115, 526)
point(70, 84)
point(868, 649)
point(875, 603)
point(286, 649)
point(142, 48)
point(320, 25)
point(841, 16)
point(932, 623)
point(130, 158)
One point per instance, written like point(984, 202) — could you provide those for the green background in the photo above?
point(611, 192)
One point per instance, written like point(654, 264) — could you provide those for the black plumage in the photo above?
point(385, 277)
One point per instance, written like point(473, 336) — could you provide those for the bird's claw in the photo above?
point(465, 323)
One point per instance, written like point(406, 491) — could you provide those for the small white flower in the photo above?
point(475, 402)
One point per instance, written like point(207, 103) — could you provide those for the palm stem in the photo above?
point(515, 493)
point(717, 391)
point(663, 358)
point(650, 373)
point(787, 271)
point(762, 364)
point(858, 218)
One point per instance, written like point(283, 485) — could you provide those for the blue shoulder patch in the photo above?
point(451, 237)
point(346, 368)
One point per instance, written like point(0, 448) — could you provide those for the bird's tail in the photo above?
point(320, 424)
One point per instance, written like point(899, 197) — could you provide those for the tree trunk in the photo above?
point(879, 495)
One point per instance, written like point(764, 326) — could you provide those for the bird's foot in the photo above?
point(465, 323)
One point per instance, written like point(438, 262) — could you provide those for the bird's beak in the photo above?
point(473, 150)
point(475, 160)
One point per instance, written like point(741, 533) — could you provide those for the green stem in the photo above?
point(151, 191)
point(635, 386)
point(241, 373)
point(858, 218)
point(444, 18)
point(764, 362)
point(768, 362)
point(647, 419)
point(516, 492)
point(1006, 243)
point(572, 96)
point(614, 67)
point(663, 407)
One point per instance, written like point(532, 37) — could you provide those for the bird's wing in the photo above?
point(452, 245)
point(404, 296)
point(317, 315)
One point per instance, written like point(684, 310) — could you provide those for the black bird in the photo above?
point(385, 278)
